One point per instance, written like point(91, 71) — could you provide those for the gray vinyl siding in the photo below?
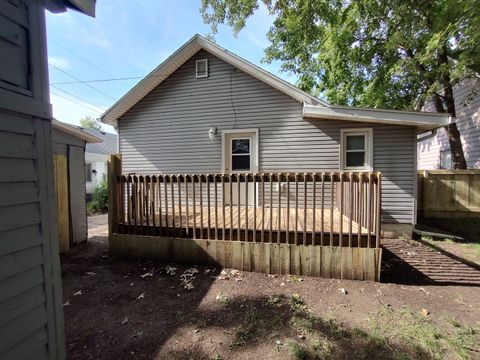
point(167, 132)
point(467, 103)
point(31, 325)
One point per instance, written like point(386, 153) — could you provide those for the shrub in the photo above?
point(99, 202)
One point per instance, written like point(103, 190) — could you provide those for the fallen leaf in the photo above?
point(67, 303)
point(125, 320)
point(343, 291)
point(91, 273)
point(79, 292)
point(147, 274)
point(282, 284)
point(424, 312)
point(141, 296)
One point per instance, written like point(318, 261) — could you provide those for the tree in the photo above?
point(393, 54)
point(90, 123)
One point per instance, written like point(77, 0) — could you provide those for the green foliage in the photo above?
point(99, 202)
point(392, 54)
point(374, 53)
point(90, 123)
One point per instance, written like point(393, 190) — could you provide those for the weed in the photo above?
point(179, 315)
point(276, 299)
point(426, 238)
point(216, 357)
point(222, 298)
point(297, 351)
point(296, 303)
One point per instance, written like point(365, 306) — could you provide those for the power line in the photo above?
point(76, 97)
point(75, 102)
point(81, 81)
point(100, 80)
point(80, 57)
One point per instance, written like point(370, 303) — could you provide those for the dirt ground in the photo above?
point(123, 309)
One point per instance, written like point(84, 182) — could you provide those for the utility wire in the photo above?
point(81, 81)
point(76, 97)
point(100, 80)
point(75, 102)
point(80, 57)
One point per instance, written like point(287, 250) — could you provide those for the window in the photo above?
point(445, 159)
point(356, 149)
point(240, 154)
point(201, 68)
point(88, 172)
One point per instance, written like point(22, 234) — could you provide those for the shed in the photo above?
point(69, 167)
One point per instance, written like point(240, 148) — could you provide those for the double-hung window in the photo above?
point(356, 149)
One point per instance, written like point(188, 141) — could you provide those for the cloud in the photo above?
point(261, 43)
point(59, 62)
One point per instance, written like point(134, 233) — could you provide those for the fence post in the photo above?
point(114, 168)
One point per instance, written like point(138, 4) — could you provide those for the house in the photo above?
point(206, 111)
point(96, 155)
point(69, 144)
point(434, 149)
point(31, 315)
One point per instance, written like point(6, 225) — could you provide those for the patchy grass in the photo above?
point(397, 335)
point(469, 251)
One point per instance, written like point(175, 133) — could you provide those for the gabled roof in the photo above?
point(74, 131)
point(182, 55)
point(108, 145)
point(312, 106)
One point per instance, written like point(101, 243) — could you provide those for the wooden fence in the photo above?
point(448, 193)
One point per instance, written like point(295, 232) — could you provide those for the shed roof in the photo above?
point(75, 131)
point(313, 107)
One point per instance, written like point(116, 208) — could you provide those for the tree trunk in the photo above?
point(454, 139)
point(458, 158)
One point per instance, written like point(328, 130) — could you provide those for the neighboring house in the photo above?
point(31, 314)
point(96, 155)
point(203, 101)
point(434, 151)
point(69, 165)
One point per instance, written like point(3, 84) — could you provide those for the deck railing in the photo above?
point(329, 208)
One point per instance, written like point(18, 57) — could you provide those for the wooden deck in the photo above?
point(272, 225)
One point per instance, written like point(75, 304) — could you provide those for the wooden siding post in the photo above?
point(114, 170)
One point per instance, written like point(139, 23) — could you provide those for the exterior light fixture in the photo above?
point(212, 131)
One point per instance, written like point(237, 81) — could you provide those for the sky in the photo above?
point(129, 38)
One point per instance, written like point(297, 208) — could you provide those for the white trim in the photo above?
point(368, 133)
point(182, 55)
point(206, 69)
point(242, 131)
point(421, 120)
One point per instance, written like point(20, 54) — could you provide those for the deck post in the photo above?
point(114, 170)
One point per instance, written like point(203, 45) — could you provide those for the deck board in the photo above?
point(231, 220)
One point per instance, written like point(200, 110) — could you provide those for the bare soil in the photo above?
point(124, 309)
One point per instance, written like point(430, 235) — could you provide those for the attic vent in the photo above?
point(201, 68)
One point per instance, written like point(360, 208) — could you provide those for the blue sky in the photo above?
point(128, 38)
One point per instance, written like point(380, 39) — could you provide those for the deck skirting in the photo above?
point(282, 259)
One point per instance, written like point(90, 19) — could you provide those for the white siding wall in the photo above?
point(167, 132)
point(468, 122)
point(99, 164)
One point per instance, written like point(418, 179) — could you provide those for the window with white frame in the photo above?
point(356, 149)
